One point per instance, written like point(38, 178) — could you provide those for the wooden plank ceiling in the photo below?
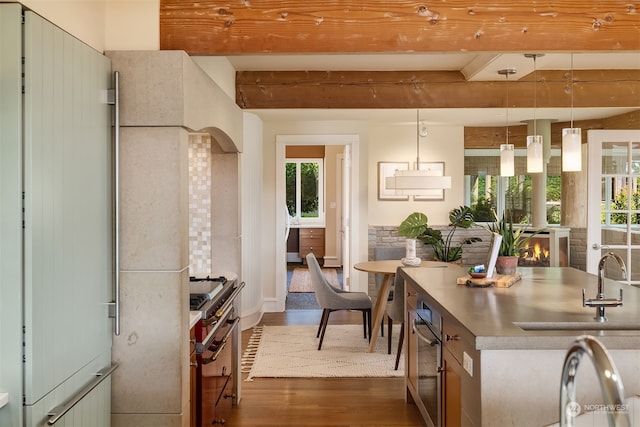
point(330, 26)
point(240, 27)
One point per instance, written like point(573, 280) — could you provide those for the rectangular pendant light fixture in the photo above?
point(571, 141)
point(535, 162)
point(417, 182)
point(507, 151)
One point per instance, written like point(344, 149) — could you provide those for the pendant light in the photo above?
point(571, 140)
point(535, 162)
point(507, 157)
point(417, 182)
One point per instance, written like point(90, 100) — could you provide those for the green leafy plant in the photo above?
point(514, 240)
point(416, 226)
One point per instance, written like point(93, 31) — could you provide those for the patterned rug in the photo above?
point(301, 279)
point(292, 351)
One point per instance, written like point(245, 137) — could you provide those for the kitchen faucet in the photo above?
point(600, 302)
point(608, 376)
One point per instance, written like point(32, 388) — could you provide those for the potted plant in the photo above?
point(416, 226)
point(512, 244)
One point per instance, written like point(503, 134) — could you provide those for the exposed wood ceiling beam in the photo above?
point(433, 89)
point(314, 26)
point(492, 137)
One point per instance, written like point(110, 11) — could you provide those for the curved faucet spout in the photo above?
point(608, 376)
point(601, 263)
point(600, 302)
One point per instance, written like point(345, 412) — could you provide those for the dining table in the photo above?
point(387, 268)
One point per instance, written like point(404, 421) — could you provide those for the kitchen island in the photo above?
point(501, 358)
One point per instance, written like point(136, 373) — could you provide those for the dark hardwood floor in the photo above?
point(348, 402)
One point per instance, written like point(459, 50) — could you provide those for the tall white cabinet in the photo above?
point(55, 223)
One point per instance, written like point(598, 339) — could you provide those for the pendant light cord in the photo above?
point(572, 87)
point(507, 108)
point(417, 139)
point(535, 93)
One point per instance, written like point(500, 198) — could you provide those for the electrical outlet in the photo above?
point(467, 363)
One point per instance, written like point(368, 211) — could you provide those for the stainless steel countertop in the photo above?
point(551, 294)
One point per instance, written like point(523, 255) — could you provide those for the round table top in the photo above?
point(379, 267)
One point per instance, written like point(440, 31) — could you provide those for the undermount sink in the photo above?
point(578, 326)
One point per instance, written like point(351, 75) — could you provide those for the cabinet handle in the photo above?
point(448, 337)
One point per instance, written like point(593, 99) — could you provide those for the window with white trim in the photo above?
point(305, 190)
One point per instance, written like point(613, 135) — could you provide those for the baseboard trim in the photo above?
point(270, 305)
point(331, 262)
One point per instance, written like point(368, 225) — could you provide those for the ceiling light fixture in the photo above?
point(417, 182)
point(535, 162)
point(507, 154)
point(571, 141)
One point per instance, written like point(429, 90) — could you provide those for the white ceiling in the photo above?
point(474, 66)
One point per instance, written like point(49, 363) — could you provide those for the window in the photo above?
point(488, 192)
point(305, 190)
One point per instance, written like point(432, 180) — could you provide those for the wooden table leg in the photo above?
point(379, 309)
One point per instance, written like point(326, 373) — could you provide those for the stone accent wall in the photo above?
point(578, 248)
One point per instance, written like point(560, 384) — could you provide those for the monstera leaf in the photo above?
point(461, 217)
point(413, 226)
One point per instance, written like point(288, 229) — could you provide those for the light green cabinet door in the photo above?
point(60, 277)
point(11, 213)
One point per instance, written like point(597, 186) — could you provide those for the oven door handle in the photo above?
point(230, 300)
point(222, 343)
point(431, 341)
point(217, 324)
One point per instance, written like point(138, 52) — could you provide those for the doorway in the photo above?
point(349, 250)
point(614, 200)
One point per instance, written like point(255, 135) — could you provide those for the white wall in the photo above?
point(221, 71)
point(105, 24)
point(132, 25)
point(251, 211)
point(396, 142)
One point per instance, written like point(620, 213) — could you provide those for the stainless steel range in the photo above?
point(217, 343)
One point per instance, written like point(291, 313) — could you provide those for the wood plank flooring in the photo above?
point(349, 402)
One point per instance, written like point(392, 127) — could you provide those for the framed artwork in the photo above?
point(388, 169)
point(436, 169)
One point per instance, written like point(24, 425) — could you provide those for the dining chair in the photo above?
point(396, 311)
point(331, 298)
point(385, 253)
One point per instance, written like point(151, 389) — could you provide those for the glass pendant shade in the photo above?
point(507, 167)
point(571, 149)
point(534, 154)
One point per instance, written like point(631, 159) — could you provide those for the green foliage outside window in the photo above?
point(309, 181)
point(621, 203)
point(309, 173)
point(517, 198)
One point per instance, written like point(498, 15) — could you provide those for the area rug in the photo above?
point(301, 279)
point(292, 352)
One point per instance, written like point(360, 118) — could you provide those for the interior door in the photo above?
point(614, 200)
